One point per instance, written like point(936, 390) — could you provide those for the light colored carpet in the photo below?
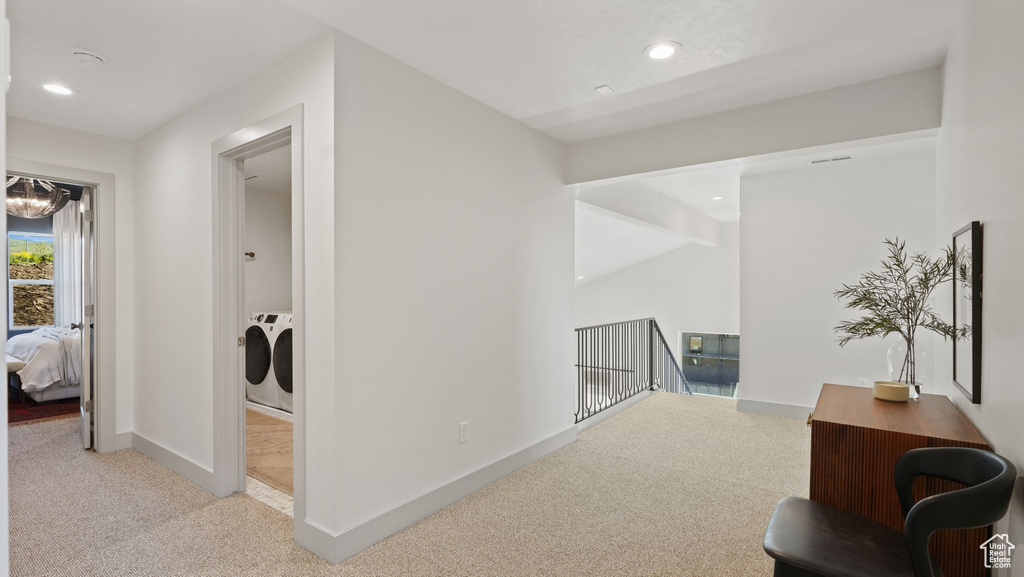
point(673, 486)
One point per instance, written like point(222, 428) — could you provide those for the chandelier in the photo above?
point(34, 198)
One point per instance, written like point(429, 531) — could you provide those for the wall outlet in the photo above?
point(463, 432)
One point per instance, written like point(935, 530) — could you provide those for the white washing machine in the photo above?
point(261, 383)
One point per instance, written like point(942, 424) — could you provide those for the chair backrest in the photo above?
point(989, 479)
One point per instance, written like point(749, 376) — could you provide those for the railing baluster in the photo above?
point(580, 375)
point(602, 346)
point(619, 360)
point(619, 382)
point(590, 383)
point(613, 362)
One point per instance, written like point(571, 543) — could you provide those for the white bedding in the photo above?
point(51, 355)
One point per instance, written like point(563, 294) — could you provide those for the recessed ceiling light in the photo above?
point(604, 90)
point(58, 89)
point(662, 50)
point(717, 198)
point(579, 278)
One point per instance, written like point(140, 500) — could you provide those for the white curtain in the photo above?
point(67, 265)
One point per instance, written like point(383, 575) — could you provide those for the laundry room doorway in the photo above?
point(258, 320)
point(267, 298)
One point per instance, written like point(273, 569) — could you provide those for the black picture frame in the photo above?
point(967, 295)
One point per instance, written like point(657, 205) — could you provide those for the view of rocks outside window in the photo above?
point(30, 258)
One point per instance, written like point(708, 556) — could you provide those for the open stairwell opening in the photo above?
point(617, 361)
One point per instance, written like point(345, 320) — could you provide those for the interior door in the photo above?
point(87, 408)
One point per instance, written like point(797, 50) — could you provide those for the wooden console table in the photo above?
point(855, 443)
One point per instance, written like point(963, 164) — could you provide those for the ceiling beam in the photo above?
point(893, 105)
point(647, 207)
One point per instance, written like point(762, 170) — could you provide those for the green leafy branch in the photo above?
point(897, 299)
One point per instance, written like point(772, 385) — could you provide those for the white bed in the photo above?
point(52, 362)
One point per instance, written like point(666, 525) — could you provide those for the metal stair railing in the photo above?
point(616, 361)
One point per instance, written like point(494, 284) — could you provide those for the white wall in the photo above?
point(173, 265)
point(268, 233)
point(980, 178)
point(693, 288)
point(454, 271)
point(36, 142)
point(897, 104)
point(802, 234)
point(4, 514)
point(447, 228)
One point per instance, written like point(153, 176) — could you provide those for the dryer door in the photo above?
point(283, 360)
point(257, 355)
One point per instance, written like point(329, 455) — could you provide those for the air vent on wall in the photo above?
point(833, 159)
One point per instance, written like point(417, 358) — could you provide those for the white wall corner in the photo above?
point(336, 547)
point(191, 471)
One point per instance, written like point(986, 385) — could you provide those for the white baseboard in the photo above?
point(199, 475)
point(766, 408)
point(611, 412)
point(277, 413)
point(123, 441)
point(338, 547)
point(317, 540)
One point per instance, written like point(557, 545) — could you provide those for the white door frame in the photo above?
point(104, 384)
point(229, 313)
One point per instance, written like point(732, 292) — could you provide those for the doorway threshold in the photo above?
point(270, 496)
point(276, 413)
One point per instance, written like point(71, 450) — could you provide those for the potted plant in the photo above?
point(897, 299)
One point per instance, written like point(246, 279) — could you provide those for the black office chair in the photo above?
point(809, 539)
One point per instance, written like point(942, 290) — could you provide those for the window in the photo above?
point(29, 280)
point(711, 362)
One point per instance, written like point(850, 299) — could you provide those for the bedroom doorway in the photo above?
point(50, 294)
point(258, 313)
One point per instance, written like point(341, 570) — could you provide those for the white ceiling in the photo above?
point(270, 171)
point(162, 57)
point(535, 60)
point(539, 60)
point(696, 187)
point(606, 242)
